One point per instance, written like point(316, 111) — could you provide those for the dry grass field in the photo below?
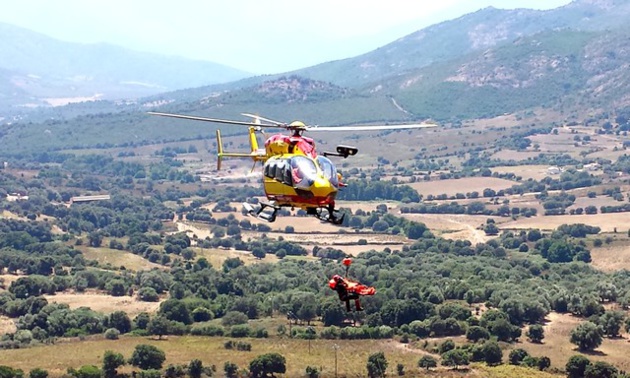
point(453, 226)
point(607, 222)
point(7, 325)
point(216, 256)
point(598, 201)
point(464, 185)
point(557, 347)
point(117, 258)
point(7, 279)
point(351, 356)
point(612, 257)
point(8, 215)
point(514, 155)
point(103, 303)
point(535, 172)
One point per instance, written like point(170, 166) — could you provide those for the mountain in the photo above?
point(484, 29)
point(37, 70)
point(482, 64)
point(580, 72)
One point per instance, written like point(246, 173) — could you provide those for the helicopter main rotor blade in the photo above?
point(373, 127)
point(278, 123)
point(215, 120)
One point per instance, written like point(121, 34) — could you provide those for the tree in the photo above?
point(476, 333)
point(492, 353)
point(147, 357)
point(112, 334)
point(455, 357)
point(600, 369)
point(95, 239)
point(86, 371)
point(534, 235)
point(9, 372)
point(175, 310)
point(536, 333)
point(517, 356)
point(427, 362)
point(491, 229)
point(195, 368)
point(611, 322)
point(267, 364)
point(111, 362)
point(307, 311)
point(332, 313)
point(142, 320)
point(576, 366)
point(230, 369)
point(259, 253)
point(400, 369)
point(415, 230)
point(312, 372)
point(158, 326)
point(543, 363)
point(502, 329)
point(38, 373)
point(587, 336)
point(119, 320)
point(234, 318)
point(376, 365)
point(446, 345)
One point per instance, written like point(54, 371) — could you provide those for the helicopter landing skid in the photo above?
point(329, 214)
point(260, 213)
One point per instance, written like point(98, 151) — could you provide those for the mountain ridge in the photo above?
point(36, 67)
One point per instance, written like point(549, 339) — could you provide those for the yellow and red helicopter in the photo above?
point(294, 175)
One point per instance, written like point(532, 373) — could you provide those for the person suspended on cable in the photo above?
point(348, 290)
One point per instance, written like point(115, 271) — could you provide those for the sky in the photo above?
point(256, 36)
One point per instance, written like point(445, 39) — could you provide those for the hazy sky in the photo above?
point(258, 36)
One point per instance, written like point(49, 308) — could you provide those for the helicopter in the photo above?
point(294, 174)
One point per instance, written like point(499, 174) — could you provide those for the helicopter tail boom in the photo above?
point(256, 154)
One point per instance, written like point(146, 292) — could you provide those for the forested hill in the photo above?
point(570, 70)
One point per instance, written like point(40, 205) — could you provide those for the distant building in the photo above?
point(99, 197)
point(592, 166)
point(553, 170)
point(14, 197)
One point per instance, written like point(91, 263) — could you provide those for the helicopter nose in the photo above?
point(323, 188)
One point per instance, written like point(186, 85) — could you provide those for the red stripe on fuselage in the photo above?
point(299, 201)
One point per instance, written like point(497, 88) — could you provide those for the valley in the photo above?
point(497, 242)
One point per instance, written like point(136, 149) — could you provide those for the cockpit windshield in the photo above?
point(329, 170)
point(303, 171)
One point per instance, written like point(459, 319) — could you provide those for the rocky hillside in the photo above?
point(484, 29)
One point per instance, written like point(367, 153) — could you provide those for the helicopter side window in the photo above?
point(272, 170)
point(267, 170)
point(287, 179)
point(279, 174)
point(329, 170)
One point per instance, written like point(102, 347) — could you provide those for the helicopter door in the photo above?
point(329, 170)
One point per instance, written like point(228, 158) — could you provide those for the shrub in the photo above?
point(112, 334)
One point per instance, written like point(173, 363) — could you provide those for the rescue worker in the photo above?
point(345, 291)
